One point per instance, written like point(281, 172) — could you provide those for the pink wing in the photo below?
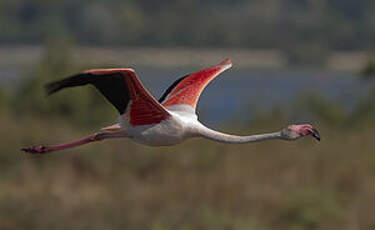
point(123, 90)
point(186, 91)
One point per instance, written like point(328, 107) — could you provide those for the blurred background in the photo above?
point(294, 61)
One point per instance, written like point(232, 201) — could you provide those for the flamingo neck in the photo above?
point(234, 139)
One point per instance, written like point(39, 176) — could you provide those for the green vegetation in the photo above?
point(120, 184)
point(310, 27)
point(369, 69)
point(196, 185)
point(72, 105)
point(2, 101)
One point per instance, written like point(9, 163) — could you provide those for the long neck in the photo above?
point(233, 139)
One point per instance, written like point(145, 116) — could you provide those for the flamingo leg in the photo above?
point(92, 138)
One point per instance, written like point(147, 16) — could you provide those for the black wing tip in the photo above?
point(171, 87)
point(75, 80)
point(111, 85)
point(52, 87)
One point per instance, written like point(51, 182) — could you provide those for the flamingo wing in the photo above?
point(122, 89)
point(186, 90)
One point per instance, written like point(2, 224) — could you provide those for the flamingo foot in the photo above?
point(40, 149)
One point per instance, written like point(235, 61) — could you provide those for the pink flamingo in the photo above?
point(168, 121)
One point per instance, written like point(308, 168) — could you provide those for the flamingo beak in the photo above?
point(316, 134)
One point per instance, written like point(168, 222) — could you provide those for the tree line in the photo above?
point(309, 25)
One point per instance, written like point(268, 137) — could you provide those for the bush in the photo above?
point(78, 106)
point(368, 70)
point(2, 101)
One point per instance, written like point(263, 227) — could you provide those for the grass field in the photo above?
point(118, 184)
point(199, 184)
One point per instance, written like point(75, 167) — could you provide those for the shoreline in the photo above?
point(179, 57)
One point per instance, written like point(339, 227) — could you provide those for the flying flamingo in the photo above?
point(168, 121)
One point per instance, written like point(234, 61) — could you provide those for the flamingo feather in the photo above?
point(167, 121)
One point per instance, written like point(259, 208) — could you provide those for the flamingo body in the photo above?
point(167, 121)
point(173, 130)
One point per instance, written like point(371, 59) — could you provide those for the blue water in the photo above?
point(237, 93)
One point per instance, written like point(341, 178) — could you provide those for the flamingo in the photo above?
point(167, 121)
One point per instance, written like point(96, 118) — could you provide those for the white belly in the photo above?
point(171, 131)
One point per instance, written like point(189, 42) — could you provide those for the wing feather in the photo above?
point(120, 87)
point(186, 90)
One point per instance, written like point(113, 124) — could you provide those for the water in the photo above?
point(235, 92)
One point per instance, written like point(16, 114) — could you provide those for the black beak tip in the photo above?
point(316, 134)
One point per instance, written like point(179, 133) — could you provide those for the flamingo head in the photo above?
point(293, 132)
